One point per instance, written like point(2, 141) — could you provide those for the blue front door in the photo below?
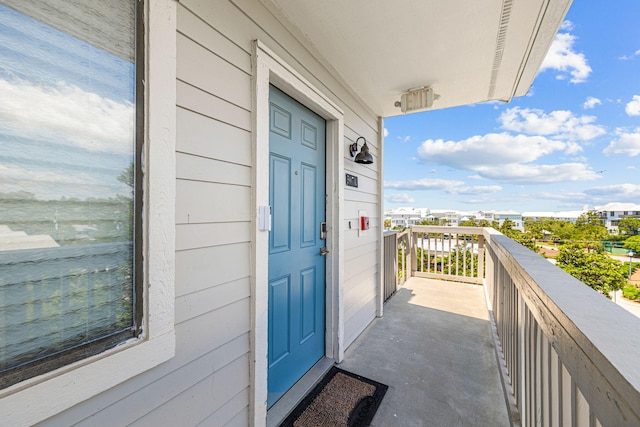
point(296, 267)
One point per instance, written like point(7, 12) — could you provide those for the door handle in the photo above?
point(324, 251)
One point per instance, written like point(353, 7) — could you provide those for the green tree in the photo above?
point(127, 176)
point(589, 218)
point(597, 270)
point(432, 221)
point(387, 224)
point(507, 228)
point(524, 239)
point(559, 230)
point(484, 223)
point(463, 261)
point(629, 226)
point(633, 243)
point(590, 231)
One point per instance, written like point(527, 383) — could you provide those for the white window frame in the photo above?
point(46, 395)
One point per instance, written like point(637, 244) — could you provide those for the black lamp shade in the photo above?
point(364, 156)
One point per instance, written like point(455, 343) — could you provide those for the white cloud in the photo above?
point(590, 103)
point(629, 57)
point(491, 150)
point(633, 107)
point(399, 198)
point(49, 185)
point(476, 190)
point(562, 58)
point(617, 192)
point(68, 115)
point(17, 173)
point(386, 132)
point(423, 184)
point(539, 174)
point(569, 198)
point(448, 186)
point(562, 124)
point(507, 157)
point(566, 25)
point(627, 143)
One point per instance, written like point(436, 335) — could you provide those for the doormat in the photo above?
point(340, 399)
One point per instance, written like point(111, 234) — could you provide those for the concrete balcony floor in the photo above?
point(434, 349)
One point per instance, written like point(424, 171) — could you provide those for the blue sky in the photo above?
point(66, 113)
point(574, 140)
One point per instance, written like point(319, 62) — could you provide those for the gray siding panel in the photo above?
point(208, 381)
point(199, 269)
point(203, 136)
point(196, 236)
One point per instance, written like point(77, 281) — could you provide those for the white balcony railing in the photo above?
point(569, 355)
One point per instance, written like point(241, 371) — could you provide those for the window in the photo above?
point(70, 192)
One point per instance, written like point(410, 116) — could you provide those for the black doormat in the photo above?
point(340, 399)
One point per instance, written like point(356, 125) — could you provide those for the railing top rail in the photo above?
point(403, 233)
point(446, 229)
point(591, 334)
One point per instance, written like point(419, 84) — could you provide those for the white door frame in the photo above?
point(269, 68)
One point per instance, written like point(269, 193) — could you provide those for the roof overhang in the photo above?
point(467, 51)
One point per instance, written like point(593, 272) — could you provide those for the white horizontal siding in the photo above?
point(207, 382)
point(160, 395)
point(197, 100)
point(196, 168)
point(203, 136)
point(197, 402)
point(200, 202)
point(198, 269)
point(359, 321)
point(202, 302)
point(232, 413)
point(195, 236)
point(203, 33)
point(234, 87)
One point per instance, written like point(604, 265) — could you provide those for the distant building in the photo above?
point(406, 217)
point(612, 213)
point(501, 216)
point(569, 216)
point(452, 218)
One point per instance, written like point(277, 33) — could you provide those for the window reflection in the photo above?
point(67, 155)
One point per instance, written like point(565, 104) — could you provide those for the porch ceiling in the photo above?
point(468, 51)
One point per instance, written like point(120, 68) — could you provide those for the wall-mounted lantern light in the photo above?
point(364, 156)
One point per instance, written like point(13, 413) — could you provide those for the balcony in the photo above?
point(486, 332)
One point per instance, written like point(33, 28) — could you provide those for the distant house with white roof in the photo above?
point(501, 216)
point(406, 217)
point(612, 213)
point(452, 218)
point(569, 216)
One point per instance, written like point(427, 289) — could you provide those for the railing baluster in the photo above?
point(428, 267)
point(481, 273)
point(421, 252)
point(449, 252)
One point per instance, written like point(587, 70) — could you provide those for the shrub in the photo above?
point(631, 292)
